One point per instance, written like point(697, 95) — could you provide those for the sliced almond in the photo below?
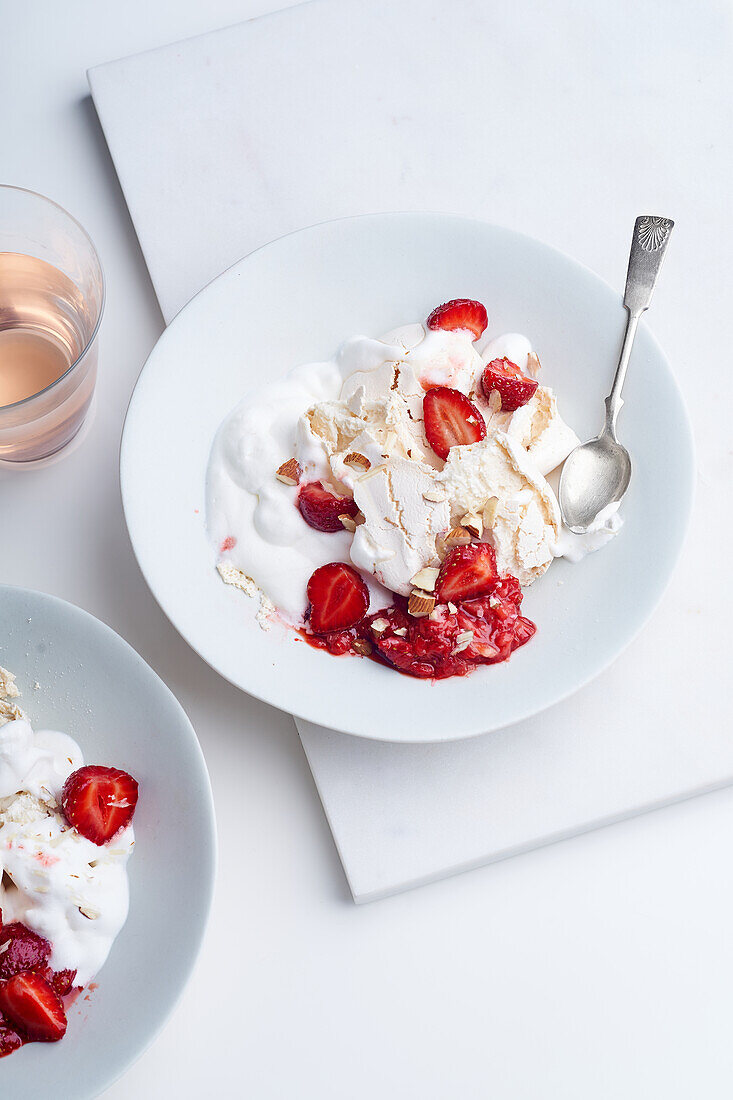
point(289, 473)
point(362, 646)
point(474, 524)
point(425, 578)
point(452, 608)
point(495, 401)
point(436, 496)
point(494, 602)
point(90, 914)
point(379, 626)
point(533, 364)
point(348, 522)
point(420, 604)
point(357, 461)
point(457, 536)
point(401, 630)
point(373, 471)
point(463, 641)
point(490, 510)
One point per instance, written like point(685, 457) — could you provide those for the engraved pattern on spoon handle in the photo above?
point(648, 247)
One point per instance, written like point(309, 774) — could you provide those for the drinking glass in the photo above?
point(51, 304)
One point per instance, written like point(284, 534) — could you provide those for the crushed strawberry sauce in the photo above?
point(23, 951)
point(439, 647)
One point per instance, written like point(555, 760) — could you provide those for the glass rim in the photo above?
point(95, 330)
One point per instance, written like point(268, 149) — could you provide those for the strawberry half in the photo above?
point(99, 801)
point(29, 1002)
point(451, 420)
point(505, 378)
point(460, 313)
point(467, 572)
point(321, 509)
point(338, 598)
point(21, 949)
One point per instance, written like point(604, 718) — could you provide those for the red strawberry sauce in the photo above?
point(428, 647)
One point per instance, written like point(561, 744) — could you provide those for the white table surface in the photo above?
point(599, 968)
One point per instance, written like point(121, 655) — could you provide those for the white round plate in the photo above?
point(294, 301)
point(92, 685)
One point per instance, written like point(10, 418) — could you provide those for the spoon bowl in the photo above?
point(595, 475)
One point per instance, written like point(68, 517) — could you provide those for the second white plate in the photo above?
point(295, 301)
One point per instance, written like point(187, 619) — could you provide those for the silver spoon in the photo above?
point(597, 474)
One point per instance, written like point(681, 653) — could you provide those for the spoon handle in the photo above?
point(648, 246)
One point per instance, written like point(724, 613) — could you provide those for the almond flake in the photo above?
point(457, 536)
point(289, 473)
point(379, 626)
point(495, 401)
point(436, 496)
point(362, 646)
point(420, 604)
point(490, 510)
point(452, 608)
point(474, 524)
point(348, 522)
point(463, 641)
point(357, 461)
point(494, 602)
point(372, 471)
point(425, 578)
point(533, 364)
point(401, 630)
point(90, 914)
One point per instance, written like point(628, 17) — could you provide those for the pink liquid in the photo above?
point(44, 327)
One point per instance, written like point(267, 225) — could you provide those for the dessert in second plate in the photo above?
point(395, 501)
point(65, 839)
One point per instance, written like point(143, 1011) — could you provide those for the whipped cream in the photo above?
point(55, 881)
point(355, 423)
point(575, 547)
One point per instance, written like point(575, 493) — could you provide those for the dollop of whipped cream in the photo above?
point(52, 879)
point(355, 423)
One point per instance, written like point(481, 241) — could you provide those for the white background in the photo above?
point(597, 968)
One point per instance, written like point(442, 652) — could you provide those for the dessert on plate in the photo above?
point(65, 839)
point(395, 501)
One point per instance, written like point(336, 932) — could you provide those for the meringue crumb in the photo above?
point(9, 711)
point(265, 612)
point(230, 575)
point(237, 579)
point(8, 687)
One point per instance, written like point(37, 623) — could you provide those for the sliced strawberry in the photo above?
point(505, 378)
point(451, 420)
point(21, 949)
point(10, 1040)
point(62, 981)
point(460, 313)
point(321, 509)
point(338, 598)
point(29, 1002)
point(99, 801)
point(467, 572)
